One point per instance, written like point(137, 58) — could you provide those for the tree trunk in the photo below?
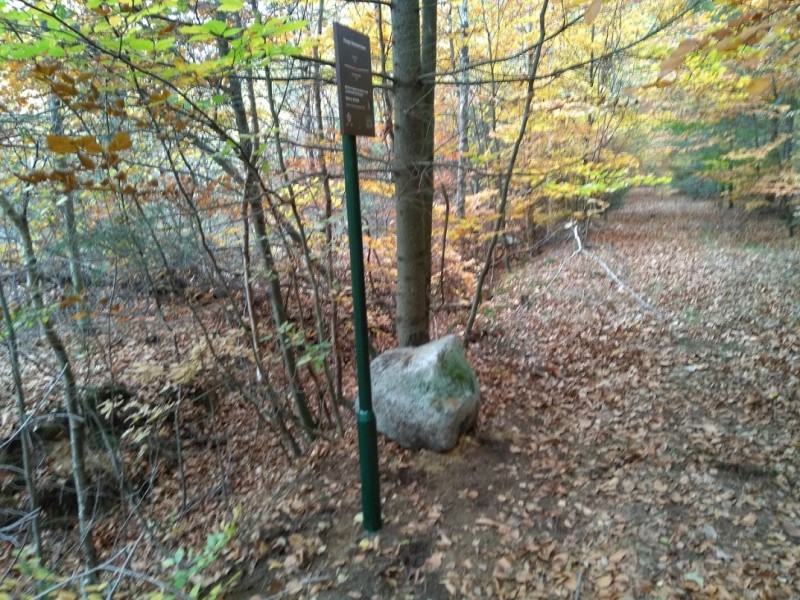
point(319, 130)
point(68, 209)
point(24, 431)
point(252, 192)
point(463, 115)
point(320, 322)
point(71, 402)
point(533, 68)
point(413, 165)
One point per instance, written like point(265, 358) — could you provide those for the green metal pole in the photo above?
point(367, 431)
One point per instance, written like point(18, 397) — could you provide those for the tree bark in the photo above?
point(24, 432)
point(463, 114)
point(413, 165)
point(71, 401)
point(253, 195)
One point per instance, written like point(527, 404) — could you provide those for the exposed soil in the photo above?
point(621, 452)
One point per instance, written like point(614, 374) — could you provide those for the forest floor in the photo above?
point(621, 452)
point(640, 441)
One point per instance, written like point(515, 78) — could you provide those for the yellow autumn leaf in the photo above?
point(675, 60)
point(61, 144)
point(86, 162)
point(33, 177)
point(759, 86)
point(89, 144)
point(158, 97)
point(751, 35)
point(729, 43)
point(121, 141)
point(591, 13)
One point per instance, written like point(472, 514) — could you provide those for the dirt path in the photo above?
point(620, 454)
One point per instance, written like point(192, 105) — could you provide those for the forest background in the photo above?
point(174, 252)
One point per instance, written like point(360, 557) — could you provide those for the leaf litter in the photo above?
point(620, 453)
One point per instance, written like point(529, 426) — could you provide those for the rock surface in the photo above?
point(425, 397)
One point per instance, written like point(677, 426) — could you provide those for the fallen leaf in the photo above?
point(610, 485)
point(523, 576)
point(502, 569)
point(294, 587)
point(791, 529)
point(433, 562)
point(604, 582)
point(694, 577)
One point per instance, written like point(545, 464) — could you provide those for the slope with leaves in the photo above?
point(619, 452)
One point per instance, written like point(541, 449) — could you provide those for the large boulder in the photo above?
point(425, 397)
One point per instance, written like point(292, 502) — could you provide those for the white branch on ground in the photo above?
point(644, 304)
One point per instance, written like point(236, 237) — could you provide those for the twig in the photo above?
point(444, 241)
point(111, 568)
point(128, 559)
point(17, 525)
point(579, 586)
point(644, 304)
point(639, 300)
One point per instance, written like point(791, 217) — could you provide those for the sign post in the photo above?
point(356, 115)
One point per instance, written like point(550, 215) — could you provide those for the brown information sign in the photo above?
point(354, 76)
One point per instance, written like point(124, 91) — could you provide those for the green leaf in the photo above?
point(230, 5)
point(279, 26)
point(139, 44)
point(165, 44)
point(23, 51)
point(180, 579)
point(215, 26)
